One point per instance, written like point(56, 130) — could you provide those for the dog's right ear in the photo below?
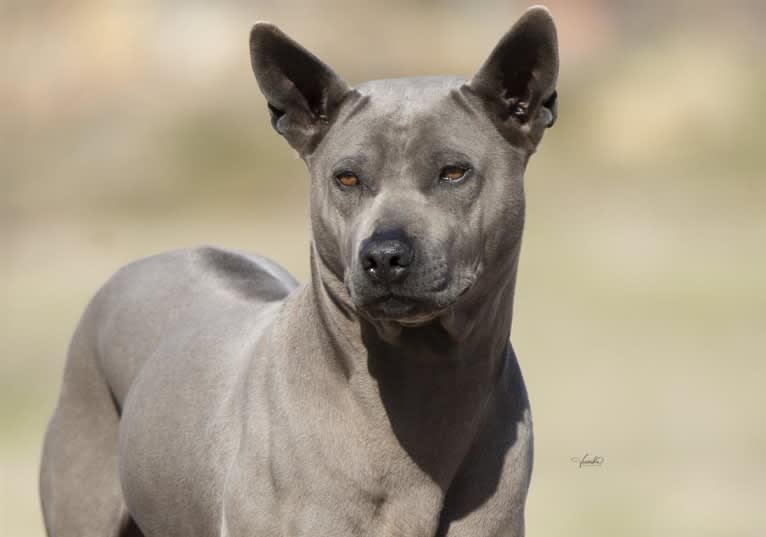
point(302, 92)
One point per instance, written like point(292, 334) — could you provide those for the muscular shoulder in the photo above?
point(190, 271)
point(249, 275)
point(185, 299)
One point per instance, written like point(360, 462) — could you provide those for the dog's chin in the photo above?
point(405, 311)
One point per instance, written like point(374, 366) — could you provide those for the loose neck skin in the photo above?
point(434, 381)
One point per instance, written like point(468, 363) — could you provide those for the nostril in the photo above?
point(368, 263)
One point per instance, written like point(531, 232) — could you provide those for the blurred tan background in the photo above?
point(128, 128)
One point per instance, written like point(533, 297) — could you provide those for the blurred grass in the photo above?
point(641, 305)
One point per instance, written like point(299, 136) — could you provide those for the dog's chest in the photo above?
point(354, 483)
point(328, 503)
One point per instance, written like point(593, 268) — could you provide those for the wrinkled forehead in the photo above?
point(390, 118)
point(403, 99)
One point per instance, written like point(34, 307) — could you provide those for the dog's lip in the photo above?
point(392, 299)
point(390, 295)
point(425, 308)
point(417, 310)
point(404, 310)
point(395, 307)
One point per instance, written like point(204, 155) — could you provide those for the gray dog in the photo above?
point(207, 393)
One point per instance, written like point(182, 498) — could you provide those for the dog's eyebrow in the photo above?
point(449, 156)
point(350, 163)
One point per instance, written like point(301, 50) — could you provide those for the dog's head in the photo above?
point(417, 184)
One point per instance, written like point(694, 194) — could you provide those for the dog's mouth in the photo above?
point(423, 298)
point(402, 309)
point(407, 310)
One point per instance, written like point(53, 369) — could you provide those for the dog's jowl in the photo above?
point(208, 393)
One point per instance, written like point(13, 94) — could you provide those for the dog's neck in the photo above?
point(434, 381)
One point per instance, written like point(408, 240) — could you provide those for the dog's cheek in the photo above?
point(506, 232)
point(328, 231)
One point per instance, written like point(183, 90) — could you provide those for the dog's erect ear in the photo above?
point(519, 77)
point(302, 92)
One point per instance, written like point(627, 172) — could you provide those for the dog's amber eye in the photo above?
point(452, 174)
point(347, 179)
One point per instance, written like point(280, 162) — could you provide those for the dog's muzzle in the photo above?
point(393, 280)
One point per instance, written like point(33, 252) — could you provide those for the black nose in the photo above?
point(386, 258)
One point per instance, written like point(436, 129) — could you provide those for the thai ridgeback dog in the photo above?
point(207, 393)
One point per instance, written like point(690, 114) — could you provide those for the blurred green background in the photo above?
point(128, 128)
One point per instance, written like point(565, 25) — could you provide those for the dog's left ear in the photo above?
point(518, 80)
point(302, 92)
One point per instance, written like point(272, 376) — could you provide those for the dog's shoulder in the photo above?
point(194, 276)
point(248, 275)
